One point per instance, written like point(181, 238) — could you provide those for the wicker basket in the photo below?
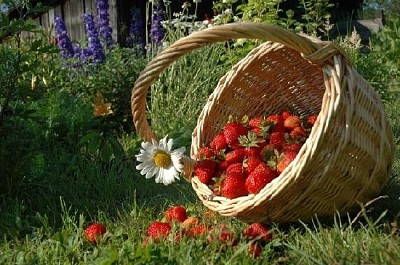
point(345, 161)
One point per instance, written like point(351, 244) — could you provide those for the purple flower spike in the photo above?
point(105, 31)
point(136, 30)
point(157, 31)
point(64, 42)
point(94, 45)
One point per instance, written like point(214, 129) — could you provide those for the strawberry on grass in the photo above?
point(94, 232)
point(176, 214)
point(158, 230)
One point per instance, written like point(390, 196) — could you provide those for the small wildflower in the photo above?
point(159, 160)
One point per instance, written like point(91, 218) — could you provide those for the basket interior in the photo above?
point(269, 79)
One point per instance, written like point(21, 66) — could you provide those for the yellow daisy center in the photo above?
point(162, 159)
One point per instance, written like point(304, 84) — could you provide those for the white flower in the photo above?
point(159, 160)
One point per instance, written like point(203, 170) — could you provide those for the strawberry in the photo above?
point(233, 186)
point(94, 232)
point(253, 151)
point(223, 234)
point(298, 133)
point(199, 230)
point(293, 147)
point(218, 143)
point(205, 153)
point(311, 119)
point(176, 214)
point(277, 139)
point(292, 122)
point(261, 176)
point(285, 159)
point(285, 114)
point(274, 119)
point(236, 168)
point(258, 125)
point(257, 231)
point(252, 162)
point(268, 152)
point(255, 124)
point(157, 230)
point(189, 222)
point(204, 170)
point(222, 166)
point(232, 131)
point(254, 249)
point(235, 156)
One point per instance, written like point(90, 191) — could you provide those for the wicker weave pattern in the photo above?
point(347, 157)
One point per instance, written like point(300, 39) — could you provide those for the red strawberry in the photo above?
point(253, 151)
point(176, 214)
point(223, 234)
point(232, 131)
point(252, 163)
point(158, 230)
point(218, 142)
point(298, 133)
point(236, 168)
point(233, 186)
point(255, 122)
point(205, 153)
point(274, 119)
point(189, 222)
point(94, 232)
point(254, 249)
point(311, 119)
point(293, 147)
point(257, 231)
point(277, 139)
point(292, 122)
point(285, 114)
point(204, 170)
point(222, 166)
point(235, 156)
point(285, 160)
point(258, 125)
point(199, 230)
point(268, 152)
point(261, 176)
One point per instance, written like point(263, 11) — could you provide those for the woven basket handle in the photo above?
point(311, 51)
point(315, 52)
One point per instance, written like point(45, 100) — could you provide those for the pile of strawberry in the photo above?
point(248, 153)
point(176, 225)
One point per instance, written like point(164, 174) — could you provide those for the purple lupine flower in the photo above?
point(64, 42)
point(156, 30)
point(136, 30)
point(105, 31)
point(94, 45)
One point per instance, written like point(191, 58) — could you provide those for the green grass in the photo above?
point(48, 228)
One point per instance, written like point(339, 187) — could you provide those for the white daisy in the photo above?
point(159, 160)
